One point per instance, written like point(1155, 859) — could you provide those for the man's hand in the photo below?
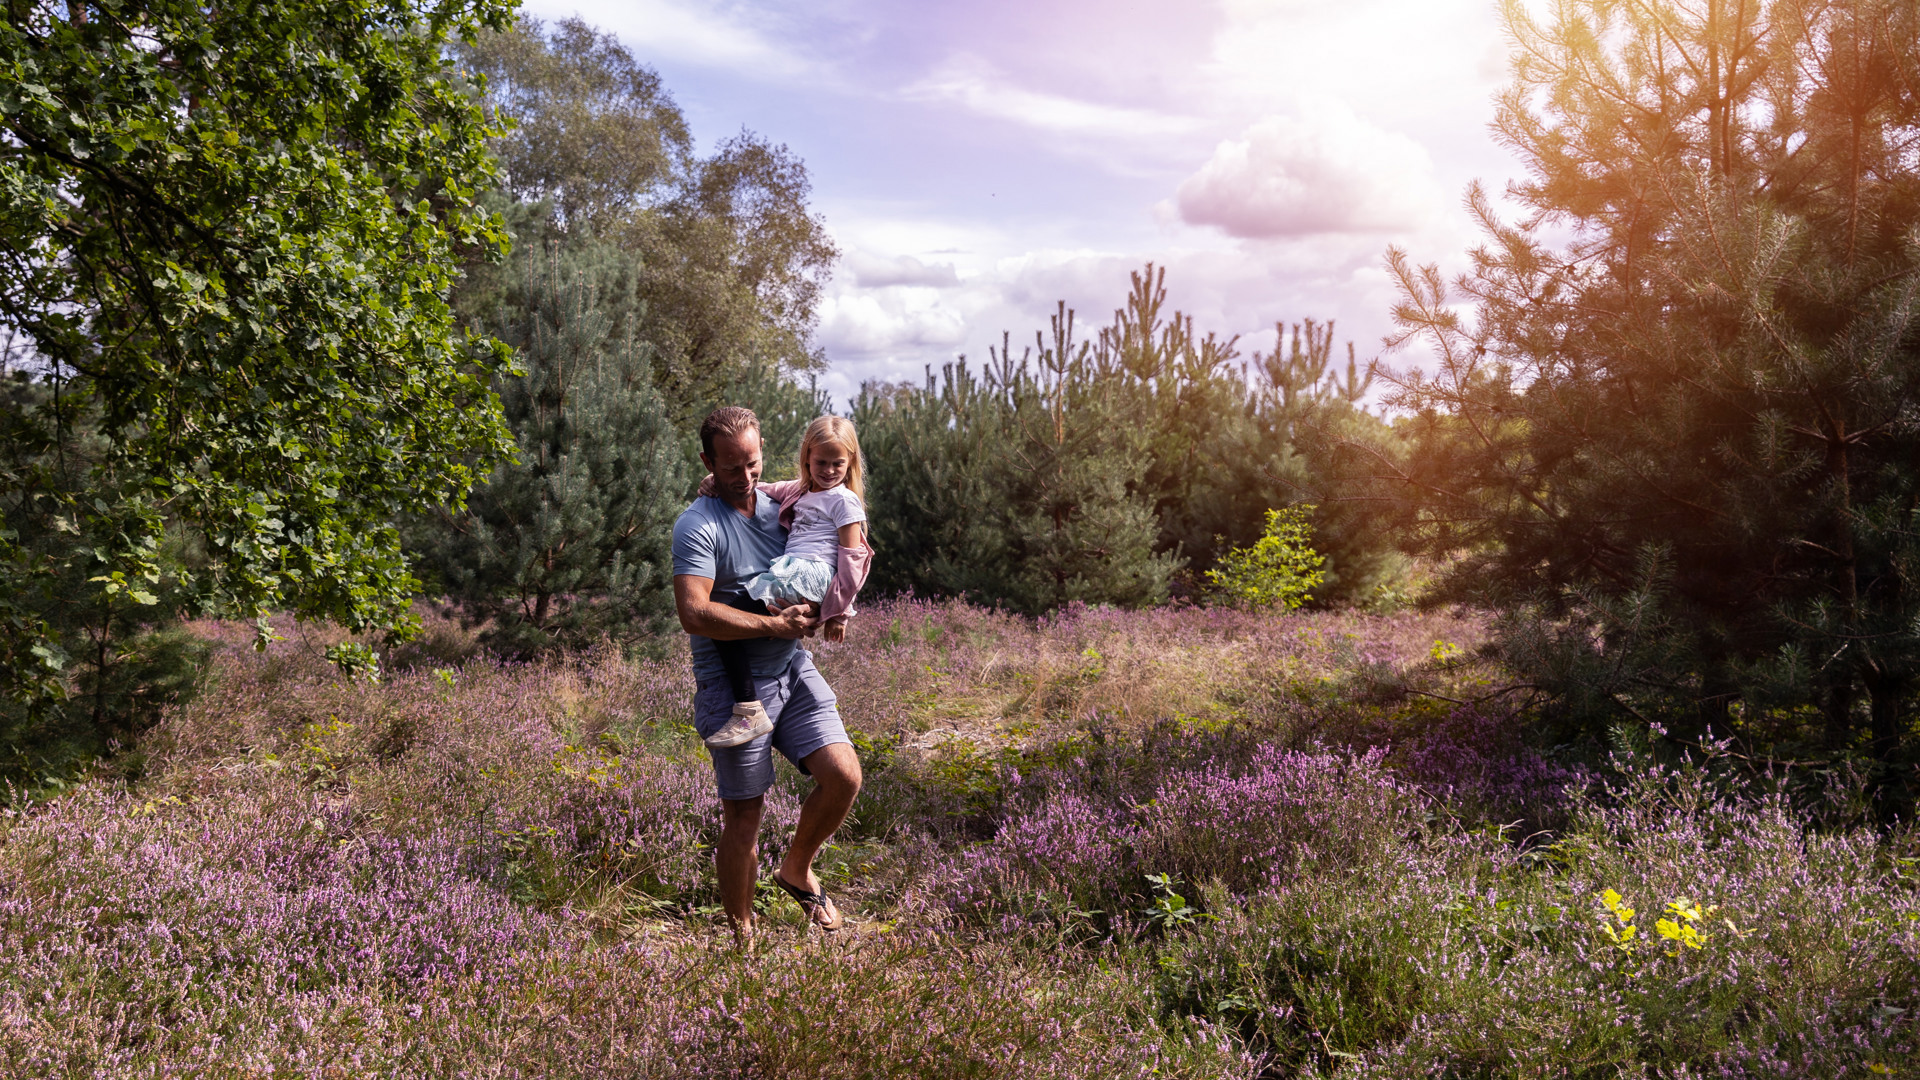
point(793, 622)
point(701, 614)
point(835, 629)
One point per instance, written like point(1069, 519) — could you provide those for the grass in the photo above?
point(1172, 843)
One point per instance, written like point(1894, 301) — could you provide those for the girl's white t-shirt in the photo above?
point(817, 518)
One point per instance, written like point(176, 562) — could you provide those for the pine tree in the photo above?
point(1228, 443)
point(572, 541)
point(1686, 436)
point(1212, 467)
point(1020, 485)
point(1093, 470)
point(933, 477)
point(119, 659)
point(1079, 520)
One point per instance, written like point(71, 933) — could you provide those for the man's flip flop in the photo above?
point(811, 902)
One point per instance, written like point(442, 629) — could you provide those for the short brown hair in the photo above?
point(729, 420)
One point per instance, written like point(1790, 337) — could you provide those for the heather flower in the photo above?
point(478, 868)
point(1285, 812)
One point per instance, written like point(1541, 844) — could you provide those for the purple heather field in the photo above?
point(1185, 842)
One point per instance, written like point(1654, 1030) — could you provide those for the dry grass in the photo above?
point(928, 672)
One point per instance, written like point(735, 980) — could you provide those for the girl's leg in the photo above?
point(733, 656)
point(750, 719)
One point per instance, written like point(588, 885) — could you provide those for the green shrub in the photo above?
point(1279, 570)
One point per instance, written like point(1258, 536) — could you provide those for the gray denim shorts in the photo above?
point(806, 717)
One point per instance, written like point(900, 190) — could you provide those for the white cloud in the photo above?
point(1421, 58)
point(974, 180)
point(889, 333)
point(880, 324)
point(711, 35)
point(976, 85)
point(876, 272)
point(1326, 171)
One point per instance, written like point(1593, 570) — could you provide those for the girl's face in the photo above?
point(827, 464)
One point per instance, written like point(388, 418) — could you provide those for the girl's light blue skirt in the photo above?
point(789, 579)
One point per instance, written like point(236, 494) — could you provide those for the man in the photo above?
point(718, 544)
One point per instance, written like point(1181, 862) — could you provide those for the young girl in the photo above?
point(825, 562)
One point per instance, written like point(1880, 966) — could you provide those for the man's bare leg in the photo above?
point(836, 781)
point(738, 860)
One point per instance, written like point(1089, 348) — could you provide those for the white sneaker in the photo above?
point(749, 722)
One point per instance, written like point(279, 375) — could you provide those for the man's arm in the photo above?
point(701, 614)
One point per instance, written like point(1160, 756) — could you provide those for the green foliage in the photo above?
point(1695, 415)
point(595, 134)
point(669, 284)
point(232, 230)
point(1021, 486)
point(730, 260)
point(570, 542)
point(355, 660)
point(785, 406)
point(107, 659)
point(1279, 569)
point(1092, 470)
point(1169, 910)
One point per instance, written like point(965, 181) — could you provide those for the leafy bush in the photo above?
point(110, 652)
point(1279, 570)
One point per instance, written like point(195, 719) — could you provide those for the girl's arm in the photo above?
point(855, 559)
point(777, 491)
point(784, 489)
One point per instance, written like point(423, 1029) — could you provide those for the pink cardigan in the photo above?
point(854, 563)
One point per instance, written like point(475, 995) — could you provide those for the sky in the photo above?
point(978, 161)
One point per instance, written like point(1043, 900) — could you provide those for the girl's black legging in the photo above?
point(733, 657)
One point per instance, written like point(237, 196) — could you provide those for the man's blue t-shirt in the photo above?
point(713, 540)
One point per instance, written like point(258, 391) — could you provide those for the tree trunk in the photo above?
point(1840, 698)
point(100, 672)
point(1848, 577)
point(1714, 710)
point(1887, 697)
point(1716, 107)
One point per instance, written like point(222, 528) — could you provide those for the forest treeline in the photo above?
point(1117, 467)
point(1668, 427)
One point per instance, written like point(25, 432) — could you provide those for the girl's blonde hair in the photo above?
point(837, 430)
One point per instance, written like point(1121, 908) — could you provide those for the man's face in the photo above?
point(735, 464)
